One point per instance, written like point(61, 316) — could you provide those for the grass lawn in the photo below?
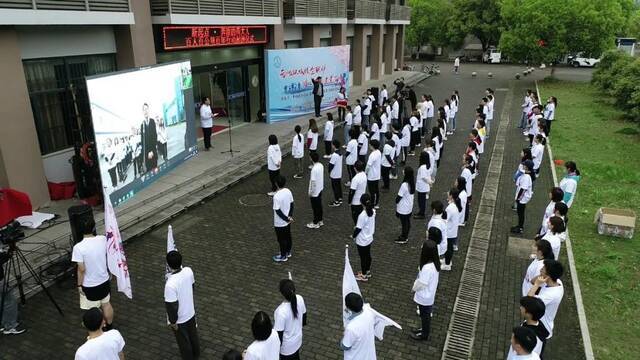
point(588, 131)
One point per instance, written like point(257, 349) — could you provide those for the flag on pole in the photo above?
point(171, 245)
point(350, 285)
point(116, 259)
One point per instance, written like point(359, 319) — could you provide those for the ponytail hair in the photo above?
point(462, 184)
point(572, 167)
point(288, 291)
point(455, 194)
point(365, 200)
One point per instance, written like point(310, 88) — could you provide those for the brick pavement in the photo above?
point(229, 246)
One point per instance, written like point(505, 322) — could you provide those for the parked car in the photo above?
point(492, 56)
point(579, 61)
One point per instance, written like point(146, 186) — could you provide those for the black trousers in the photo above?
point(355, 211)
point(385, 171)
point(294, 356)
point(337, 189)
point(327, 147)
point(362, 158)
point(187, 338)
point(422, 202)
point(467, 209)
point(374, 191)
point(405, 222)
point(352, 171)
point(206, 133)
point(316, 206)
point(415, 139)
point(273, 175)
point(448, 255)
point(316, 102)
point(548, 126)
point(425, 319)
point(341, 113)
point(283, 234)
point(365, 258)
point(521, 208)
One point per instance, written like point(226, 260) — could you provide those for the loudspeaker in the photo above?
point(76, 214)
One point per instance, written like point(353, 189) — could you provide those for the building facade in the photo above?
point(48, 48)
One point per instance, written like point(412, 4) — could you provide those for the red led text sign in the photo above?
point(194, 37)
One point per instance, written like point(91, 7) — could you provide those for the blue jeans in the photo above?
point(365, 121)
point(523, 120)
point(452, 124)
point(10, 313)
point(347, 129)
point(488, 123)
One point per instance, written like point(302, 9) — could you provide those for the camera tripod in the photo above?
point(14, 267)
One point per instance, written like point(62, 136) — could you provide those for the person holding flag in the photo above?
point(116, 258)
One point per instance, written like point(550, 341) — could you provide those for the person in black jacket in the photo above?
point(318, 93)
point(149, 136)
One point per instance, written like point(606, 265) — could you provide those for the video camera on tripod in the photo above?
point(11, 233)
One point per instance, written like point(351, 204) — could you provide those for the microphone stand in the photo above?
point(230, 151)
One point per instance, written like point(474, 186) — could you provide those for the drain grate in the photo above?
point(254, 200)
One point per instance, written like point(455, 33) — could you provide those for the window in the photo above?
point(350, 42)
point(324, 42)
point(293, 44)
point(59, 100)
point(368, 50)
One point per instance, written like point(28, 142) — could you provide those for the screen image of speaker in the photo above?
point(76, 214)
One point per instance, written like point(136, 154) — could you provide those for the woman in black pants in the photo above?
point(425, 287)
point(404, 204)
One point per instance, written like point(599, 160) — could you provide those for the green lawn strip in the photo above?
point(588, 130)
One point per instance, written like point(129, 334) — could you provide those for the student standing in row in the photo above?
point(328, 135)
point(423, 184)
point(461, 185)
point(383, 97)
point(316, 185)
point(373, 170)
point(523, 341)
point(282, 219)
point(312, 138)
point(569, 184)
point(387, 162)
point(297, 151)
point(351, 155)
point(537, 152)
point(357, 188)
point(405, 140)
point(425, 287)
point(548, 288)
point(104, 345)
point(348, 124)
point(556, 227)
point(181, 314)
point(363, 236)
point(524, 192)
point(543, 252)
point(335, 173)
point(366, 108)
point(532, 310)
point(363, 145)
point(288, 319)
point(414, 122)
point(341, 102)
point(489, 116)
point(274, 161)
point(357, 116)
point(358, 341)
point(266, 345)
point(550, 113)
point(404, 204)
point(555, 196)
point(397, 148)
point(385, 124)
point(453, 211)
point(467, 174)
point(439, 223)
point(526, 109)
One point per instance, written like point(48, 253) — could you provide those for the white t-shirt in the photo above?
point(430, 108)
point(405, 206)
point(406, 136)
point(438, 222)
point(550, 111)
point(357, 115)
point(352, 149)
point(359, 337)
point(389, 151)
point(396, 140)
point(384, 122)
point(415, 124)
point(283, 320)
point(423, 178)
point(569, 185)
point(456, 62)
point(429, 276)
point(363, 142)
point(468, 176)
point(317, 178)
point(533, 356)
point(463, 201)
point(395, 110)
point(328, 131)
point(447, 111)
point(314, 139)
point(551, 297)
point(537, 152)
point(533, 271)
point(527, 104)
point(206, 116)
point(179, 287)
point(373, 165)
point(348, 119)
point(490, 110)
point(548, 214)
point(367, 225)
point(264, 350)
point(274, 157)
point(453, 220)
point(524, 183)
point(105, 347)
point(367, 109)
point(281, 201)
point(555, 241)
point(92, 252)
point(383, 95)
point(359, 185)
point(336, 161)
point(297, 147)
point(375, 131)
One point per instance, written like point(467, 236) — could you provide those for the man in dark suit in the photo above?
point(318, 93)
point(149, 136)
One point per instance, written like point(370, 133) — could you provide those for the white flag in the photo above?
point(116, 259)
point(171, 245)
point(350, 285)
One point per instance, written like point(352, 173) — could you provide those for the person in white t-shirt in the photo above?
point(526, 108)
point(452, 211)
point(100, 345)
point(398, 148)
point(288, 320)
point(363, 144)
point(348, 124)
point(456, 64)
point(461, 185)
point(181, 313)
point(569, 184)
point(425, 287)
point(366, 109)
point(358, 341)
point(404, 204)
point(282, 219)
point(523, 341)
point(537, 152)
point(274, 161)
point(468, 168)
point(328, 135)
point(437, 227)
point(297, 152)
point(550, 113)
point(429, 112)
point(395, 110)
point(335, 173)
point(383, 96)
point(206, 121)
point(385, 125)
point(374, 130)
point(312, 138)
point(556, 228)
point(548, 288)
point(357, 187)
point(543, 252)
point(266, 345)
point(387, 162)
point(363, 236)
point(532, 309)
point(555, 196)
point(405, 140)
point(351, 155)
point(316, 185)
point(524, 191)
point(357, 116)
point(373, 170)
point(414, 122)
point(93, 277)
point(423, 183)
point(490, 109)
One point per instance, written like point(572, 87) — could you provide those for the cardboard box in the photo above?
point(616, 222)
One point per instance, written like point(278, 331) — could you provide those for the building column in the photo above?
point(21, 166)
point(135, 45)
point(359, 54)
point(276, 37)
point(338, 34)
point(389, 48)
point(400, 46)
point(376, 50)
point(310, 36)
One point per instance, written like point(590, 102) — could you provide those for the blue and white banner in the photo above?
point(289, 74)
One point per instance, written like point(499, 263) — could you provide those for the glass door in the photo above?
point(254, 90)
point(236, 95)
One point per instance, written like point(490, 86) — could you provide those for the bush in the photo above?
point(609, 68)
point(618, 74)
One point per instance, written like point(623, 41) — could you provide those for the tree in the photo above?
point(480, 18)
point(542, 31)
point(427, 19)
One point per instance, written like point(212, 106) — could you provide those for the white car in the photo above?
point(583, 62)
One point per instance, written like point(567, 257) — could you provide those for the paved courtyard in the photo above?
point(229, 241)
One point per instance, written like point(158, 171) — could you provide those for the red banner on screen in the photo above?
point(195, 37)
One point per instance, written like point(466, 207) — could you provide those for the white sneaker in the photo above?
point(393, 177)
point(320, 223)
point(313, 226)
point(347, 184)
point(271, 193)
point(310, 167)
point(455, 247)
point(327, 156)
point(446, 267)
